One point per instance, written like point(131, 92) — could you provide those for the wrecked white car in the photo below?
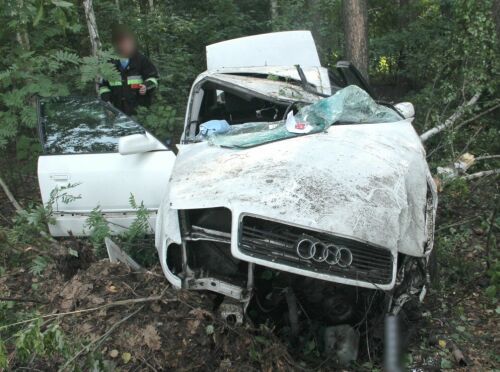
point(285, 170)
point(339, 191)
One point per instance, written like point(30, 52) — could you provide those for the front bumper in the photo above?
point(243, 293)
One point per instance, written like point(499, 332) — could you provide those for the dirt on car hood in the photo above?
point(365, 181)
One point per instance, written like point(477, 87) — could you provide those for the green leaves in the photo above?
point(446, 364)
point(32, 341)
point(140, 227)
point(62, 4)
point(100, 66)
point(38, 265)
point(159, 119)
point(4, 362)
point(63, 56)
point(39, 14)
point(99, 229)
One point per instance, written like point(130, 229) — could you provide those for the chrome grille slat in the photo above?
point(273, 241)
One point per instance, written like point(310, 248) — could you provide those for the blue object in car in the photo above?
point(214, 127)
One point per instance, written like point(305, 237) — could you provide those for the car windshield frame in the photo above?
point(348, 106)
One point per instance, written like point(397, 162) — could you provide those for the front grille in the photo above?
point(276, 242)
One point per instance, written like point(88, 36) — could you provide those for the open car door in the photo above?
point(97, 157)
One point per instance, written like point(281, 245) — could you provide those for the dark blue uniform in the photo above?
point(124, 93)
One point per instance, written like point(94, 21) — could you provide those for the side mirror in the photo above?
point(406, 109)
point(137, 143)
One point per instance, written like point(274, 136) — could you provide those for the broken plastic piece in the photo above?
point(116, 254)
point(351, 105)
point(231, 312)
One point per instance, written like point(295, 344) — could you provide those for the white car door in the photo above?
point(81, 138)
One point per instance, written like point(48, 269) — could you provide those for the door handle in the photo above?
point(59, 177)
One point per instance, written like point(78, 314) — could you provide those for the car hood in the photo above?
point(367, 182)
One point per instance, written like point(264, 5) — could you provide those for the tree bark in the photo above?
point(274, 11)
point(495, 10)
point(95, 41)
point(11, 198)
point(315, 14)
point(355, 18)
point(451, 120)
point(119, 10)
point(22, 36)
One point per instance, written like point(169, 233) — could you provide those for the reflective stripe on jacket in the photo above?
point(124, 93)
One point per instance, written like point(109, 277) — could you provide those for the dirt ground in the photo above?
point(136, 321)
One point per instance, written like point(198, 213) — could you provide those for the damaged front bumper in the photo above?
point(222, 258)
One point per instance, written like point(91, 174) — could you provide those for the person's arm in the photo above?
point(150, 75)
point(104, 90)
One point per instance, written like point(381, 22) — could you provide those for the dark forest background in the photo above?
point(441, 55)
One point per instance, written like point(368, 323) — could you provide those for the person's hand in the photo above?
point(142, 90)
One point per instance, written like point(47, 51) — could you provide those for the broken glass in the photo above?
point(351, 105)
point(78, 125)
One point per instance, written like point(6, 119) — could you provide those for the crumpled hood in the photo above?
point(367, 182)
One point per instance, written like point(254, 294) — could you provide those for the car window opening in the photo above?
point(232, 119)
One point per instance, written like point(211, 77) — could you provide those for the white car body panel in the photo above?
point(105, 180)
point(275, 49)
point(317, 76)
point(366, 182)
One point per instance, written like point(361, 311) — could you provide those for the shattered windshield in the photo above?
point(351, 105)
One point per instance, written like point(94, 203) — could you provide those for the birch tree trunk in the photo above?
point(22, 34)
point(451, 120)
point(355, 17)
point(95, 41)
point(274, 12)
point(119, 10)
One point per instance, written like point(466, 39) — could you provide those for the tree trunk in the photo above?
point(118, 10)
point(274, 11)
point(315, 14)
point(22, 33)
point(23, 40)
point(495, 10)
point(95, 41)
point(355, 18)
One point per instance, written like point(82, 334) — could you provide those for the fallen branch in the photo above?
point(55, 244)
point(475, 117)
point(487, 157)
point(473, 176)
point(111, 304)
point(98, 341)
point(14, 299)
point(11, 198)
point(451, 120)
point(460, 167)
point(490, 231)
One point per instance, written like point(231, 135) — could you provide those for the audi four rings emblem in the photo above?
point(313, 249)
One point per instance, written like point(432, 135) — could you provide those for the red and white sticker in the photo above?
point(294, 126)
